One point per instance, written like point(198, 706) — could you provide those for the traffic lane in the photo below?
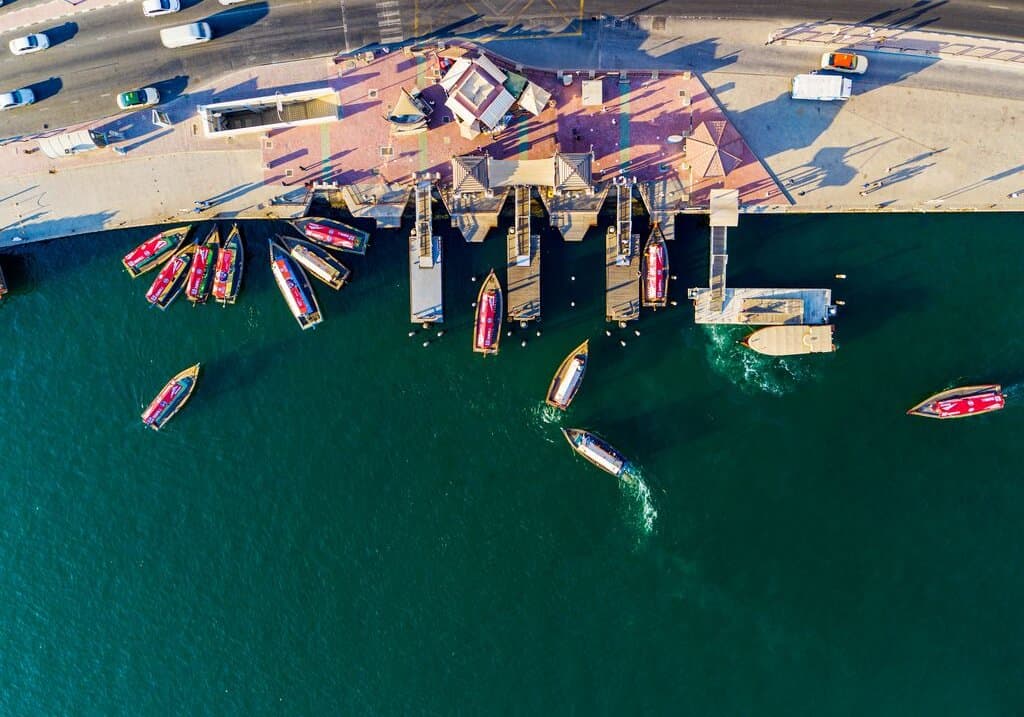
point(99, 63)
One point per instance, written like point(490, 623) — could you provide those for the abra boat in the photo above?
point(596, 450)
point(791, 340)
point(295, 288)
point(200, 276)
point(489, 308)
point(332, 234)
point(171, 398)
point(568, 378)
point(169, 282)
point(227, 275)
point(317, 261)
point(151, 252)
point(961, 402)
point(656, 270)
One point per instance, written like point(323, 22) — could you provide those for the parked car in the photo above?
point(135, 99)
point(18, 98)
point(29, 44)
point(844, 62)
point(230, 2)
point(155, 8)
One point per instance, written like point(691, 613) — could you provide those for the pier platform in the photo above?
point(762, 307)
point(523, 263)
point(622, 260)
point(426, 296)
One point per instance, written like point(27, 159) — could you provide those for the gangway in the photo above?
point(523, 266)
point(719, 260)
point(426, 304)
point(622, 260)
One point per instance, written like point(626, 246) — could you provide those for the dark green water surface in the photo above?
point(343, 522)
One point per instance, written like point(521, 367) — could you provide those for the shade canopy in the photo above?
point(534, 99)
point(714, 149)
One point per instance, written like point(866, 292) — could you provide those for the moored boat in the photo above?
point(489, 308)
point(596, 450)
point(655, 270)
point(961, 402)
point(171, 398)
point(317, 261)
point(568, 378)
point(294, 286)
point(3, 283)
point(151, 252)
point(333, 234)
point(171, 279)
point(791, 340)
point(200, 275)
point(227, 275)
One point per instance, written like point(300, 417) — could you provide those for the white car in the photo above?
point(844, 62)
point(137, 99)
point(154, 8)
point(18, 98)
point(29, 44)
point(230, 2)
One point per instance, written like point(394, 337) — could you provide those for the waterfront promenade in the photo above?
point(920, 133)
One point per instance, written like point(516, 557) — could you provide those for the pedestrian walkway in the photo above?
point(15, 18)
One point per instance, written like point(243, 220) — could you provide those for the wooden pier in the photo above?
point(622, 261)
point(523, 265)
point(426, 301)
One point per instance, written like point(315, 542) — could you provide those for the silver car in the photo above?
point(28, 44)
point(18, 98)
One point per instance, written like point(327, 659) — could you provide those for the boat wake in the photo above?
point(633, 485)
point(752, 371)
point(543, 415)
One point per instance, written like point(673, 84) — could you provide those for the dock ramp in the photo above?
point(426, 303)
point(523, 266)
point(622, 260)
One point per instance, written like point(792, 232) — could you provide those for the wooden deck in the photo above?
point(523, 263)
point(622, 292)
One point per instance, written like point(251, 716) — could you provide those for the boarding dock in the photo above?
point(718, 304)
point(426, 302)
point(523, 267)
point(622, 260)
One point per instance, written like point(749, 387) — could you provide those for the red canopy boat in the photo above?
point(171, 398)
point(294, 287)
point(200, 276)
point(168, 282)
point(487, 330)
point(151, 252)
point(961, 402)
point(333, 234)
point(656, 270)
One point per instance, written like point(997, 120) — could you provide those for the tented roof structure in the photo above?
point(572, 171)
point(469, 173)
point(531, 172)
point(714, 149)
point(534, 99)
point(476, 92)
point(409, 114)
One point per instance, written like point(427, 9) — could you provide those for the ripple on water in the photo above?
point(752, 371)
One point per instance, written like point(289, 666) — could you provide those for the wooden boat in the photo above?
point(596, 450)
point(791, 340)
point(3, 283)
point(171, 279)
point(227, 274)
point(294, 286)
point(961, 402)
point(568, 378)
point(200, 276)
point(489, 308)
point(333, 234)
point(171, 398)
point(317, 261)
point(655, 270)
point(150, 253)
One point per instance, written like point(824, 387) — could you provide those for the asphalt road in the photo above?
point(98, 54)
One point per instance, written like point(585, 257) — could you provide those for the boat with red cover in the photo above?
point(489, 308)
point(317, 261)
point(294, 286)
point(227, 274)
point(333, 234)
point(200, 276)
point(961, 402)
point(656, 270)
point(171, 398)
point(171, 279)
point(151, 252)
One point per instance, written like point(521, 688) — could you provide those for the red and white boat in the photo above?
point(169, 282)
point(961, 402)
point(200, 276)
point(294, 287)
point(333, 234)
point(656, 270)
point(151, 252)
point(489, 308)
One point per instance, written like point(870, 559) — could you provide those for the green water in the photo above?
point(343, 522)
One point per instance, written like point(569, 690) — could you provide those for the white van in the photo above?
point(821, 87)
point(184, 35)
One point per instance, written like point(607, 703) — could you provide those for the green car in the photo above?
point(135, 99)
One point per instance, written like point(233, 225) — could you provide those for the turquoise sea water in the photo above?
point(344, 522)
